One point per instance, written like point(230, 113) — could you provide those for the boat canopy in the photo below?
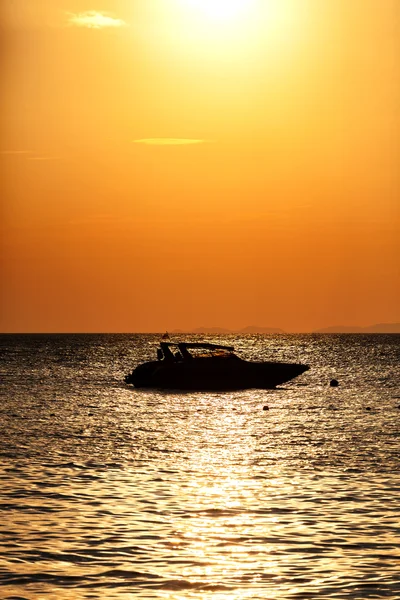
point(165, 350)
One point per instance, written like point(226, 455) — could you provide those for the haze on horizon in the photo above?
point(170, 163)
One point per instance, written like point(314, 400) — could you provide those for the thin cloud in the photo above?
point(93, 19)
point(28, 155)
point(16, 152)
point(168, 141)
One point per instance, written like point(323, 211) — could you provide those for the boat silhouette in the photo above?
point(209, 367)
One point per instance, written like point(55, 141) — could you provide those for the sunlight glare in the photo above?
point(221, 10)
point(233, 26)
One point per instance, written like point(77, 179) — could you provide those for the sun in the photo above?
point(220, 10)
point(229, 30)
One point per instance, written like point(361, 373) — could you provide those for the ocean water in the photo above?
point(111, 492)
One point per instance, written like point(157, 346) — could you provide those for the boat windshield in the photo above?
point(185, 351)
point(205, 353)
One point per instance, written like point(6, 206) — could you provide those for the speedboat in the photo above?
point(203, 366)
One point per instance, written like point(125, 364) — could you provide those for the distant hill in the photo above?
point(214, 330)
point(377, 328)
point(254, 329)
point(222, 330)
point(257, 329)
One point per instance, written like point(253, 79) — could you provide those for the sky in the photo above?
point(170, 164)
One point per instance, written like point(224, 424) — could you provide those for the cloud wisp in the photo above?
point(16, 152)
point(168, 141)
point(28, 155)
point(92, 19)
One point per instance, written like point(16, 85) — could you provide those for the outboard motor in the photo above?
point(129, 378)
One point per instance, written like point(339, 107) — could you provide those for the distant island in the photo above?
point(378, 328)
point(223, 330)
point(254, 329)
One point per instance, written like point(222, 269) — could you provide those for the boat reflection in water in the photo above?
point(209, 367)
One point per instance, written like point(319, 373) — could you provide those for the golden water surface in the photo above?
point(111, 492)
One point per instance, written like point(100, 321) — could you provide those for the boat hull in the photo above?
point(213, 374)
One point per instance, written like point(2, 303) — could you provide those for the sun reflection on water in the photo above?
point(226, 528)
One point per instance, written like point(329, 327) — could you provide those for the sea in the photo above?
point(112, 492)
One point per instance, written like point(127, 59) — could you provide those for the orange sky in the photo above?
point(282, 211)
